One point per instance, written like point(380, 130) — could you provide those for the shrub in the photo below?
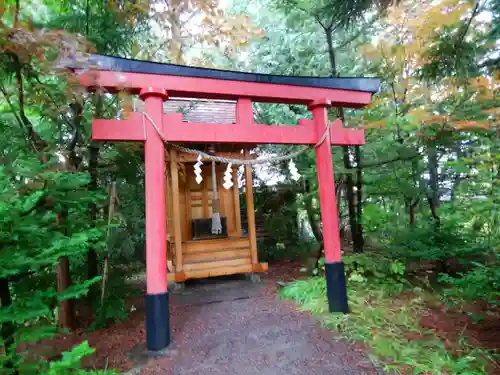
point(480, 284)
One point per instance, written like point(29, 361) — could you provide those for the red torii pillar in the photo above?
point(334, 267)
point(157, 322)
point(151, 89)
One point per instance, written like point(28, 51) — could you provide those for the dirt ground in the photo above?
point(451, 326)
point(236, 327)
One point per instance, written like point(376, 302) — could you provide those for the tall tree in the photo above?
point(338, 17)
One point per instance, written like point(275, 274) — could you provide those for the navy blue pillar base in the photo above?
point(157, 321)
point(336, 289)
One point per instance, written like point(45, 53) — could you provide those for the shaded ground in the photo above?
point(235, 327)
point(249, 328)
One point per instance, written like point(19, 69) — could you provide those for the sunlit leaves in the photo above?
point(186, 28)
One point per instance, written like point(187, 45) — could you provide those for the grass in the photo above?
point(386, 317)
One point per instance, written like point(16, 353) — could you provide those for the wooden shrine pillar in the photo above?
point(334, 266)
point(237, 206)
point(252, 232)
point(176, 213)
point(157, 306)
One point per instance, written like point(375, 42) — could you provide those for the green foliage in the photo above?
point(388, 322)
point(331, 14)
point(376, 268)
point(118, 290)
point(70, 363)
point(275, 205)
point(47, 185)
point(427, 243)
point(127, 240)
point(482, 283)
point(33, 242)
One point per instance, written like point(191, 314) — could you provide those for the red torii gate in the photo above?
point(156, 82)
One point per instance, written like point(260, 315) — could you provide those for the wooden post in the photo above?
point(252, 233)
point(204, 193)
point(189, 211)
point(169, 223)
point(176, 214)
point(237, 208)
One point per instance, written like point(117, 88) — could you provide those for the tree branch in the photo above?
point(11, 106)
point(494, 62)
point(34, 137)
point(360, 31)
point(350, 40)
point(49, 97)
point(461, 37)
point(16, 15)
point(320, 23)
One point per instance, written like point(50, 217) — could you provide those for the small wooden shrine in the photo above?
point(193, 250)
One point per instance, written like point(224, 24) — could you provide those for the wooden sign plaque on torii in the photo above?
point(155, 83)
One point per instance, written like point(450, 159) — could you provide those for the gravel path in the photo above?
point(235, 327)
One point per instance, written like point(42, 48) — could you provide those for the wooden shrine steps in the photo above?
point(216, 257)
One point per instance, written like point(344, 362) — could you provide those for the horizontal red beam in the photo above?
point(175, 130)
point(178, 131)
point(130, 129)
point(209, 88)
point(341, 136)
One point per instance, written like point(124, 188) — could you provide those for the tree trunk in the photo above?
point(315, 224)
point(356, 233)
point(63, 281)
point(359, 240)
point(177, 42)
point(433, 195)
point(92, 263)
point(458, 176)
point(351, 207)
point(412, 206)
point(8, 330)
point(66, 311)
point(331, 51)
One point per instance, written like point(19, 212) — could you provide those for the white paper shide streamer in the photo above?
point(293, 170)
point(228, 178)
point(197, 170)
